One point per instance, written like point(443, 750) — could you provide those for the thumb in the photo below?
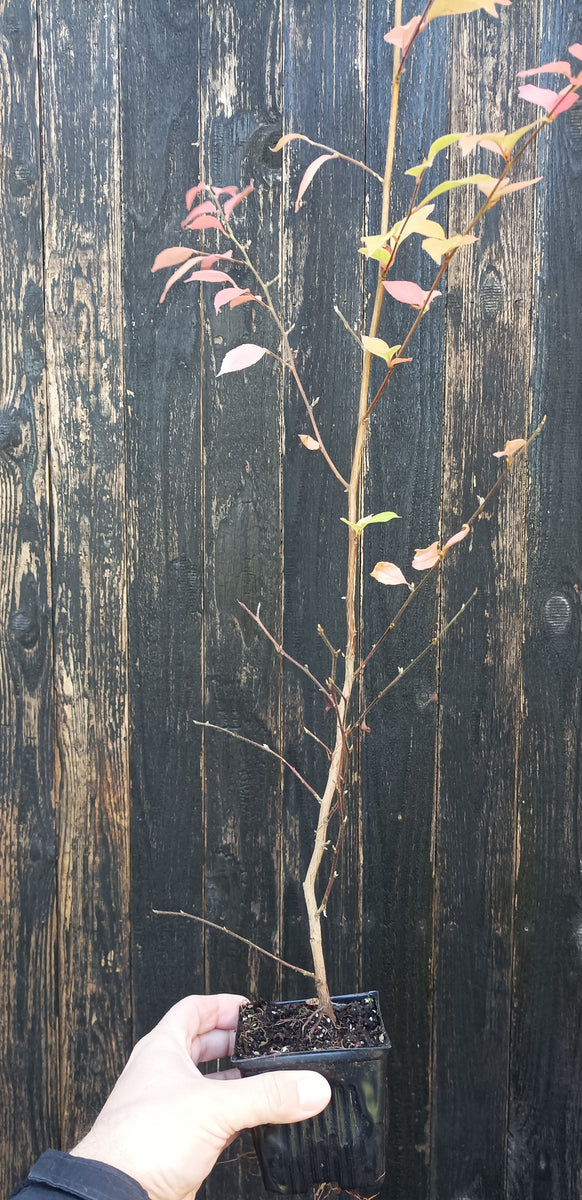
point(274, 1097)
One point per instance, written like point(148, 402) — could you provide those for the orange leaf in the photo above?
point(425, 559)
point(457, 537)
point(309, 442)
point(510, 448)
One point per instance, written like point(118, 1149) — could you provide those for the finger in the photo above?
point(275, 1097)
point(217, 1044)
point(217, 1076)
point(196, 1015)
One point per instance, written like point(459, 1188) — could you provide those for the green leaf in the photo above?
point(375, 519)
point(441, 143)
point(454, 183)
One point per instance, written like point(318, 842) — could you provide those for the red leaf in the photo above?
point(241, 357)
point(209, 276)
point(425, 559)
point(389, 574)
point(555, 68)
point(192, 193)
point(409, 293)
point(553, 102)
point(171, 256)
point(243, 299)
point(225, 295)
point(402, 35)
point(576, 50)
point(230, 204)
point(312, 170)
point(199, 210)
point(208, 260)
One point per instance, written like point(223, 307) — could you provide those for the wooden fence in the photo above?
point(140, 499)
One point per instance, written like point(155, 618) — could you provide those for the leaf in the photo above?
point(227, 295)
point(209, 276)
point(449, 184)
point(288, 137)
point(381, 349)
point(417, 222)
point(457, 537)
point(309, 442)
point(576, 50)
point(438, 247)
point(240, 357)
point(208, 260)
point(244, 299)
point(425, 559)
point(375, 519)
point(171, 256)
point(441, 143)
point(312, 170)
point(402, 35)
point(489, 183)
point(186, 266)
point(230, 204)
point(510, 448)
point(192, 193)
point(389, 574)
point(231, 190)
point(499, 143)
point(554, 68)
point(547, 98)
point(206, 223)
point(451, 8)
point(408, 292)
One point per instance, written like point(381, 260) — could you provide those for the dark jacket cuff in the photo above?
point(87, 1179)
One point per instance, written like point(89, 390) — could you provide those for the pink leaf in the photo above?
point(409, 293)
point(310, 443)
point(199, 210)
point(209, 276)
point(389, 574)
point(425, 559)
point(553, 102)
point(208, 260)
point(312, 170)
point(402, 35)
point(225, 295)
point(457, 537)
point(187, 266)
point(241, 357)
point(171, 256)
point(207, 223)
point(244, 299)
point(555, 68)
point(576, 50)
point(230, 204)
point(192, 193)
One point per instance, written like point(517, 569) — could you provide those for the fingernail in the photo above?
point(313, 1092)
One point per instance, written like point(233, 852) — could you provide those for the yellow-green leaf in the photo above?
point(450, 8)
point(375, 519)
point(380, 348)
point(449, 184)
point(441, 143)
point(438, 247)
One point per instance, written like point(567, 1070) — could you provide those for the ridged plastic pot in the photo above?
point(346, 1143)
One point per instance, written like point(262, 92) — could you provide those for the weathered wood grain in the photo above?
point(398, 755)
point(83, 303)
point(487, 400)
point(324, 88)
point(159, 123)
point(28, 1047)
point(546, 1101)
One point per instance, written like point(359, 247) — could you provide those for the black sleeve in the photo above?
point(58, 1176)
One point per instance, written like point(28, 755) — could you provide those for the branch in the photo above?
point(260, 746)
point(283, 653)
point(160, 912)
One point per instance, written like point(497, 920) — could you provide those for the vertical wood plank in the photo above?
point(79, 100)
point(546, 1101)
point(159, 120)
point(398, 755)
point(486, 400)
point(28, 1047)
point(324, 88)
point(240, 105)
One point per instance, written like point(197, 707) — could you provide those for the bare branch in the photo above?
point(160, 912)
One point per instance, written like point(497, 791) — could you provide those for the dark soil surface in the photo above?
point(299, 1027)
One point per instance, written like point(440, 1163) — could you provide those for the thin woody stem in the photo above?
point(160, 912)
point(260, 746)
point(356, 162)
point(282, 652)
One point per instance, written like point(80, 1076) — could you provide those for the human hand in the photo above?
point(165, 1123)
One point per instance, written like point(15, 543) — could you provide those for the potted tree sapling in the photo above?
point(344, 1036)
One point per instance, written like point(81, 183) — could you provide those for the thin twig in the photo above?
point(260, 746)
point(282, 652)
point(356, 162)
point(160, 912)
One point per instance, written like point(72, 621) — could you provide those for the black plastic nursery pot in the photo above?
point(346, 1143)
